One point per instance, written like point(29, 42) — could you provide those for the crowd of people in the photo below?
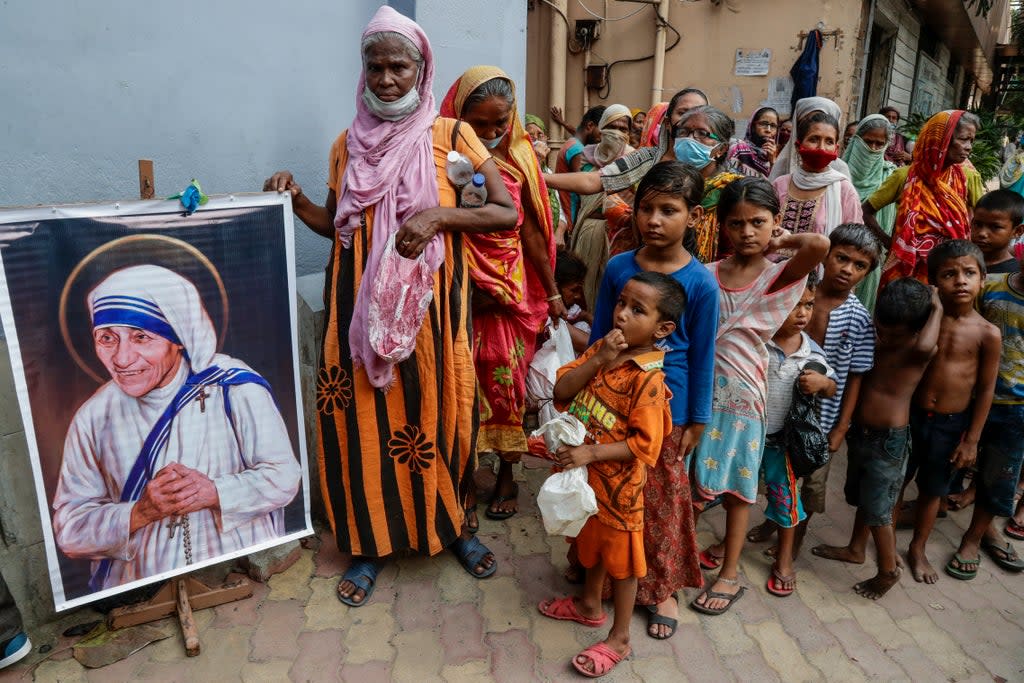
point(711, 284)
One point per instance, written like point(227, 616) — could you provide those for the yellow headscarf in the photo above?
point(519, 154)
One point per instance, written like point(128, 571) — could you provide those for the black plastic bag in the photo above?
point(805, 442)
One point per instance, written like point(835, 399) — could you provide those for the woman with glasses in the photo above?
point(702, 139)
point(754, 155)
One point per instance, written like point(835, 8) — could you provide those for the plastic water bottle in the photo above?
point(474, 195)
point(459, 169)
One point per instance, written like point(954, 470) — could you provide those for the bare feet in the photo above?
point(762, 532)
point(879, 585)
point(920, 567)
point(959, 501)
point(840, 553)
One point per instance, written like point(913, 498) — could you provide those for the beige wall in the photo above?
point(705, 57)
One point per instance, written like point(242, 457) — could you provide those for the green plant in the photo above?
point(987, 153)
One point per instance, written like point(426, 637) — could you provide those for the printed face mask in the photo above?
point(689, 151)
point(815, 159)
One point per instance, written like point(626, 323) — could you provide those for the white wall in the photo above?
point(466, 33)
point(225, 91)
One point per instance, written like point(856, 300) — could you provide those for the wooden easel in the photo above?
point(185, 593)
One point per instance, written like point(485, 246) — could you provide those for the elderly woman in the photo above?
point(512, 272)
point(396, 386)
point(869, 167)
point(935, 198)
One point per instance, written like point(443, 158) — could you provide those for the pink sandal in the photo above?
point(565, 609)
point(603, 657)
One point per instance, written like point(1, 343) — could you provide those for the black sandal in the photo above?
point(655, 619)
point(499, 515)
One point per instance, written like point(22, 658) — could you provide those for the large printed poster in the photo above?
point(156, 369)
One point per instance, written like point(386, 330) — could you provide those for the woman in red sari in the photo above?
point(933, 207)
point(512, 272)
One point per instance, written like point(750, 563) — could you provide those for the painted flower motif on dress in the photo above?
point(409, 446)
point(503, 375)
point(333, 389)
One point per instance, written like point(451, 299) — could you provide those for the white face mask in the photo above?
point(493, 144)
point(391, 111)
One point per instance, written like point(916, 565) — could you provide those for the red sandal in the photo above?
point(603, 657)
point(565, 609)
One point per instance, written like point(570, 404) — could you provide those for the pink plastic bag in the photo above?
point(398, 302)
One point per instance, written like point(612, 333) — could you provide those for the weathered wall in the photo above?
point(904, 63)
point(706, 54)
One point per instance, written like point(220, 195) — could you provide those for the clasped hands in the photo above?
point(175, 490)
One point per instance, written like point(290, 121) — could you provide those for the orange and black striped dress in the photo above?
point(395, 466)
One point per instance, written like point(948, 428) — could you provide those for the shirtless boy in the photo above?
point(945, 422)
point(907, 321)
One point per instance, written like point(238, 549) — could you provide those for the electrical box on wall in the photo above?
point(597, 76)
point(587, 31)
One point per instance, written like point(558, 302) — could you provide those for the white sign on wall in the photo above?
point(753, 62)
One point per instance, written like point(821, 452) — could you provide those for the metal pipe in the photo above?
point(557, 63)
point(659, 53)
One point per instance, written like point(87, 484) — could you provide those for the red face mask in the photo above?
point(815, 158)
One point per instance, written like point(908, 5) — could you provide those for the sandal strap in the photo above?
point(728, 582)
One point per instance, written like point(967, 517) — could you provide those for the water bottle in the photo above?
point(459, 169)
point(474, 195)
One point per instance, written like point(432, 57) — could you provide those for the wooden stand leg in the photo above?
point(188, 624)
point(181, 596)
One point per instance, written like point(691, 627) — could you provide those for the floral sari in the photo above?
point(509, 302)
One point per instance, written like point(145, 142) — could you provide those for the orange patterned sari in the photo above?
point(933, 207)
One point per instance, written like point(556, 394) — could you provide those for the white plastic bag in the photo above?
point(566, 500)
point(540, 377)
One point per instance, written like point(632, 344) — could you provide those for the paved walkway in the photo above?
point(430, 621)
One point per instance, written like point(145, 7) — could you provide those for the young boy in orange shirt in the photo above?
point(617, 390)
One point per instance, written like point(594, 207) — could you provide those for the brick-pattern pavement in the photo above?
point(430, 621)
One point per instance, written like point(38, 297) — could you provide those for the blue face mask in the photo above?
point(689, 151)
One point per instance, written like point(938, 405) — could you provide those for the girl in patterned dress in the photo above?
point(756, 297)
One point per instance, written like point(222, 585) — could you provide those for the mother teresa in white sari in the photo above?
point(183, 455)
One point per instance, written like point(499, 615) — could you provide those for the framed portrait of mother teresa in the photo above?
point(156, 368)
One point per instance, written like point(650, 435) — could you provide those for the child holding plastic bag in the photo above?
point(617, 390)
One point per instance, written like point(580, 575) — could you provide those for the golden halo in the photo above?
point(133, 258)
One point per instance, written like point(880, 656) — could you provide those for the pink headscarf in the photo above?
point(390, 168)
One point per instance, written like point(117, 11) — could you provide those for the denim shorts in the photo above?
point(876, 461)
point(933, 439)
point(999, 459)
